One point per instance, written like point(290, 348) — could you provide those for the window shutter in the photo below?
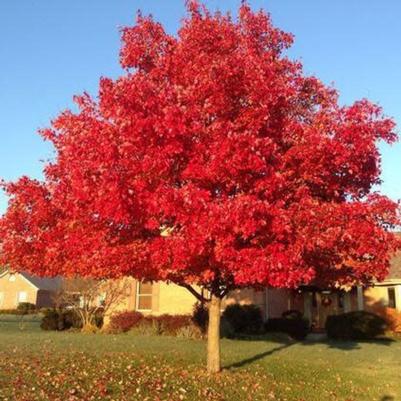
point(155, 296)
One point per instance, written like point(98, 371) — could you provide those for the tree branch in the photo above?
point(225, 292)
point(195, 293)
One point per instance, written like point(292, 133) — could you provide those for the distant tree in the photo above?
point(213, 162)
point(89, 298)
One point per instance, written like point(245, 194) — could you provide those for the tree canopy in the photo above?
point(213, 160)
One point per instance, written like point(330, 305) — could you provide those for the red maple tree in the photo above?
point(213, 162)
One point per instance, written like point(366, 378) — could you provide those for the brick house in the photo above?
point(315, 303)
point(162, 298)
point(22, 287)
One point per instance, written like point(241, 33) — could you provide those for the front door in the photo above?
point(321, 305)
point(327, 304)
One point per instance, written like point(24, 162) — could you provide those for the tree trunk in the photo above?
point(213, 336)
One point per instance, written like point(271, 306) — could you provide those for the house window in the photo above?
point(22, 297)
point(391, 297)
point(144, 296)
point(101, 299)
point(314, 299)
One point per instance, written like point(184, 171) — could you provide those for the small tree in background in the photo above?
point(89, 298)
point(213, 162)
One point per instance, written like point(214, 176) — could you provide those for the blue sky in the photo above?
point(51, 50)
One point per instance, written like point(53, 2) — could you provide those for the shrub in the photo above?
point(71, 319)
point(191, 331)
point(165, 324)
point(89, 329)
point(23, 308)
point(146, 327)
point(56, 320)
point(122, 322)
point(296, 328)
point(26, 307)
point(170, 325)
point(43, 311)
point(226, 329)
point(49, 320)
point(17, 312)
point(358, 325)
point(10, 312)
point(99, 320)
point(390, 315)
point(292, 323)
point(246, 319)
point(200, 316)
point(292, 314)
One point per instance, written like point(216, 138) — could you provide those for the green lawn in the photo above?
point(37, 365)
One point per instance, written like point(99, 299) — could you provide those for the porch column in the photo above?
point(266, 303)
point(347, 302)
point(308, 306)
point(398, 297)
point(360, 297)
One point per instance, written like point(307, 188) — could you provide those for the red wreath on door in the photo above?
point(326, 301)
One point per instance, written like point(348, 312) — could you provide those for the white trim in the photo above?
point(308, 305)
point(266, 303)
point(138, 296)
point(347, 302)
point(25, 297)
point(360, 297)
point(398, 297)
point(387, 283)
point(27, 280)
point(394, 288)
point(21, 275)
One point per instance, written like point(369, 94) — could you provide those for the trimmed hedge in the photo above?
point(171, 324)
point(236, 319)
point(56, 320)
point(21, 311)
point(292, 314)
point(358, 325)
point(292, 323)
point(26, 308)
point(244, 319)
point(200, 316)
point(157, 325)
point(122, 322)
point(297, 329)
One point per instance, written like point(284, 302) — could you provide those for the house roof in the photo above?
point(41, 283)
point(395, 264)
point(395, 267)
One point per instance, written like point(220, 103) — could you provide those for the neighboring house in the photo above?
point(22, 287)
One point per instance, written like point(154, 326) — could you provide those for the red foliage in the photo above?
point(391, 315)
point(125, 321)
point(213, 161)
point(171, 324)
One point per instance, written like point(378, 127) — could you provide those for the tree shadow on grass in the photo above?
point(285, 342)
point(257, 357)
point(352, 345)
